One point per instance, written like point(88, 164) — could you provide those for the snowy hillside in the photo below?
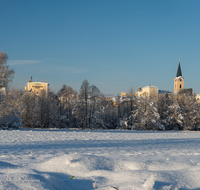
point(103, 160)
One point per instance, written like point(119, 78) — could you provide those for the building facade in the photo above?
point(37, 87)
point(149, 91)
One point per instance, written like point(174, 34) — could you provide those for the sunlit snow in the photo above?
point(103, 160)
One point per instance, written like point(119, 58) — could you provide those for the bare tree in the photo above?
point(84, 96)
point(6, 74)
point(28, 108)
point(189, 111)
point(8, 113)
point(131, 96)
point(110, 113)
point(95, 109)
point(67, 98)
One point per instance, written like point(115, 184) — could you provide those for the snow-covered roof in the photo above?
point(150, 86)
point(38, 82)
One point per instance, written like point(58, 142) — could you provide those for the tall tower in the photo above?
point(178, 80)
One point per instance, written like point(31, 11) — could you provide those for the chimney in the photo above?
point(30, 80)
point(139, 88)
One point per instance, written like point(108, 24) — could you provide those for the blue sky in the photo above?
point(113, 44)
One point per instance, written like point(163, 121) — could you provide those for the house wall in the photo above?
point(37, 87)
point(148, 91)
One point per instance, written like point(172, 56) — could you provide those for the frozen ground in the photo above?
point(104, 160)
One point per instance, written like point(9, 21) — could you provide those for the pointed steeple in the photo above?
point(179, 73)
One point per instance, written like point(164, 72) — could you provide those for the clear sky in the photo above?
point(114, 44)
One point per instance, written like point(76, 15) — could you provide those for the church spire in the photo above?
point(179, 73)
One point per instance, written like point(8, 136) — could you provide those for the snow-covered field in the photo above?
point(103, 160)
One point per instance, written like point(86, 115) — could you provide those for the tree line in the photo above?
point(90, 109)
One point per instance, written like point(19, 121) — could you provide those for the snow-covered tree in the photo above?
point(110, 114)
point(6, 74)
point(146, 114)
point(189, 111)
point(95, 108)
point(67, 102)
point(28, 109)
point(9, 116)
point(84, 96)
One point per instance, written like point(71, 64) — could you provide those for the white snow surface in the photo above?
point(105, 160)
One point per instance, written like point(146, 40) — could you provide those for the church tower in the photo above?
point(178, 80)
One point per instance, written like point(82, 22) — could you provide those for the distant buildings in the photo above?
point(108, 97)
point(148, 92)
point(37, 87)
point(151, 91)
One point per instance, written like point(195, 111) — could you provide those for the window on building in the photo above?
point(180, 85)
